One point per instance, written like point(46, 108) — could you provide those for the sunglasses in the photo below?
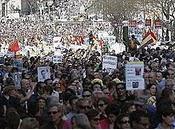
point(96, 119)
point(85, 107)
point(107, 93)
point(53, 112)
point(101, 105)
point(124, 122)
point(86, 95)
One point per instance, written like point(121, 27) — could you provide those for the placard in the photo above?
point(134, 75)
point(2, 60)
point(57, 58)
point(17, 77)
point(43, 73)
point(109, 63)
point(18, 64)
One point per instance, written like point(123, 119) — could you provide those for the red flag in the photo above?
point(14, 46)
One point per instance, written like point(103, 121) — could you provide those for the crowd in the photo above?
point(79, 94)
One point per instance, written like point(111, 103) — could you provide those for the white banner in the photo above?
point(109, 62)
point(43, 73)
point(134, 75)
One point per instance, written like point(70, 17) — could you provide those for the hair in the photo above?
point(104, 99)
point(150, 85)
point(86, 89)
point(13, 120)
point(136, 116)
point(81, 121)
point(112, 109)
point(72, 98)
point(118, 120)
point(92, 113)
point(126, 106)
point(166, 93)
point(29, 123)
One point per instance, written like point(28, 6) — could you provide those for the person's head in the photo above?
point(128, 107)
point(94, 117)
point(83, 105)
point(87, 94)
point(72, 101)
point(170, 74)
point(48, 82)
point(102, 103)
point(25, 84)
point(41, 102)
point(29, 123)
point(10, 90)
point(170, 83)
point(169, 94)
point(165, 107)
point(139, 120)
point(112, 111)
point(122, 122)
point(106, 92)
point(55, 112)
point(40, 87)
point(159, 76)
point(80, 121)
point(152, 77)
point(13, 119)
point(121, 90)
point(152, 89)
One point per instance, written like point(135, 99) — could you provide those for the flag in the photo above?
point(14, 46)
point(149, 38)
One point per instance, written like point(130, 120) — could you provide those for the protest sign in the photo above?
point(43, 73)
point(18, 64)
point(17, 76)
point(2, 60)
point(109, 63)
point(134, 75)
point(57, 58)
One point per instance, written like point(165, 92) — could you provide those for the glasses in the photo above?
point(107, 93)
point(124, 122)
point(101, 105)
point(86, 95)
point(52, 112)
point(96, 119)
point(85, 107)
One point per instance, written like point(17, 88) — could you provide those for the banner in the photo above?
point(43, 73)
point(109, 63)
point(149, 38)
point(134, 76)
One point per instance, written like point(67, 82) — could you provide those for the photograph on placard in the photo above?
point(43, 73)
point(17, 79)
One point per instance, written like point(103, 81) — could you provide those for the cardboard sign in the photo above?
point(57, 58)
point(17, 77)
point(43, 73)
point(134, 75)
point(109, 63)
